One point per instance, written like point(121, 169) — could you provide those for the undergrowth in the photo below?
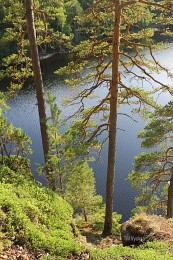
point(34, 215)
point(150, 251)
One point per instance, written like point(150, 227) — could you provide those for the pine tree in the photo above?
point(80, 190)
point(154, 171)
point(119, 36)
point(67, 150)
point(38, 83)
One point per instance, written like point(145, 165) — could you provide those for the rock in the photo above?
point(143, 228)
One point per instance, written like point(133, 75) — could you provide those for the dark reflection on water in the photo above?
point(24, 114)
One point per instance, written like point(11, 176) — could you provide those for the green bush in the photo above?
point(151, 250)
point(34, 215)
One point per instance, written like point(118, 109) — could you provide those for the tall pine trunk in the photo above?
point(112, 121)
point(170, 197)
point(38, 83)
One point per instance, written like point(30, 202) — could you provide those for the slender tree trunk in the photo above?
point(38, 82)
point(112, 121)
point(170, 197)
point(61, 185)
point(85, 215)
point(76, 34)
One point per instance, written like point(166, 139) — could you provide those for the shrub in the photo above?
point(152, 250)
point(34, 215)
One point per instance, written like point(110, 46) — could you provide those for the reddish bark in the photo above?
point(113, 121)
point(170, 197)
point(38, 83)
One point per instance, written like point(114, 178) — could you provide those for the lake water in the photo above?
point(24, 114)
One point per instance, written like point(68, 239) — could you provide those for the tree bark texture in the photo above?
point(112, 121)
point(170, 197)
point(38, 81)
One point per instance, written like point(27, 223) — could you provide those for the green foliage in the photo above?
point(97, 221)
point(160, 127)
point(152, 171)
point(33, 215)
point(12, 140)
point(67, 150)
point(151, 250)
point(15, 166)
point(80, 190)
point(85, 4)
point(3, 105)
point(14, 61)
point(50, 19)
point(68, 162)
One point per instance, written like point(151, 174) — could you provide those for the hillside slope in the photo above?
point(33, 215)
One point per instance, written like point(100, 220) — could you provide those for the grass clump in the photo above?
point(34, 215)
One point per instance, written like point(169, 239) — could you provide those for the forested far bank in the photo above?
point(56, 26)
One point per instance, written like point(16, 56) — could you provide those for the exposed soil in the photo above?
point(16, 252)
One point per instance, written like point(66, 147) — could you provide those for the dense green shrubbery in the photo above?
point(151, 250)
point(34, 215)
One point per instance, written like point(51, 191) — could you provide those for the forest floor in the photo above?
point(90, 239)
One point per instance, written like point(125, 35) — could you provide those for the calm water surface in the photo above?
point(24, 114)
